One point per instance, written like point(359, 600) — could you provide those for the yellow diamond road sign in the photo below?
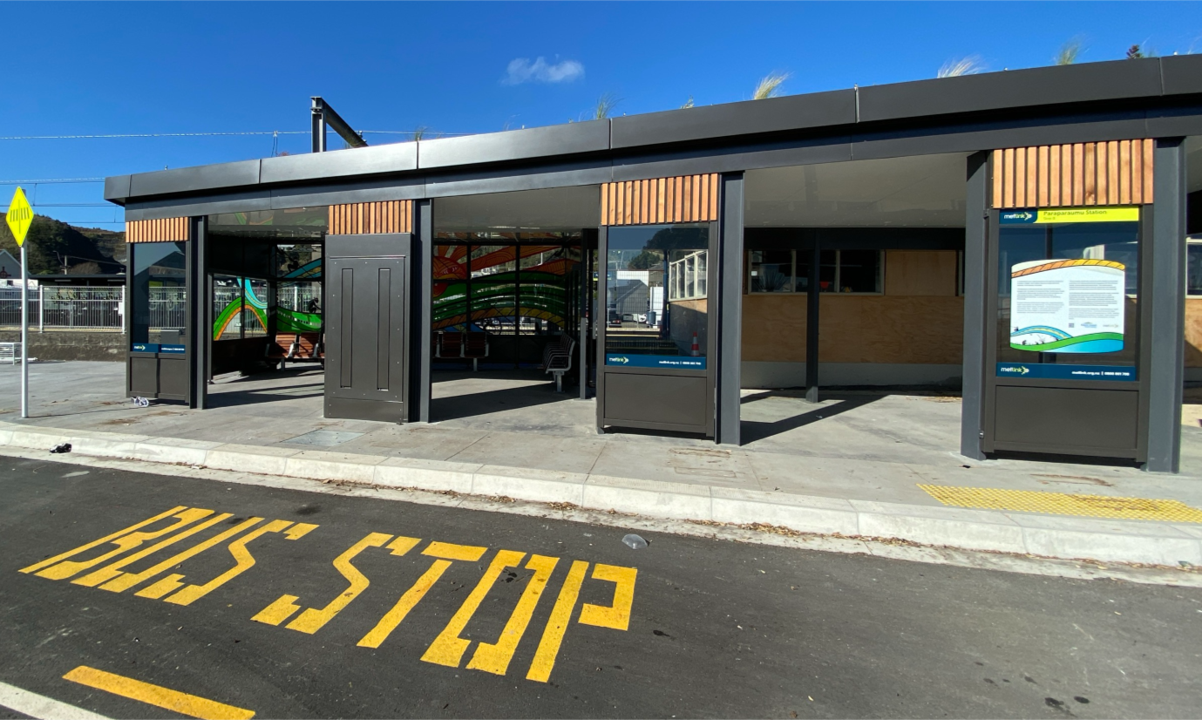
point(20, 216)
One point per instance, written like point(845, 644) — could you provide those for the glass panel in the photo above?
point(645, 328)
point(860, 271)
point(1194, 263)
point(771, 271)
point(254, 307)
point(159, 293)
point(450, 287)
point(493, 297)
point(298, 306)
point(828, 271)
point(227, 308)
point(1068, 295)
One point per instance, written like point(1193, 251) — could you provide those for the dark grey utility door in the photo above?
point(366, 326)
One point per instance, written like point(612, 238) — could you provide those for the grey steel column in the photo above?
point(730, 307)
point(812, 295)
point(1165, 371)
point(976, 264)
point(421, 276)
point(197, 315)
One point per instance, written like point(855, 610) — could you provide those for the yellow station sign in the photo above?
point(20, 216)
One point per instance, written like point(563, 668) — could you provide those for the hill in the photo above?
point(52, 244)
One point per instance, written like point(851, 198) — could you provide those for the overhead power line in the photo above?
point(51, 181)
point(112, 136)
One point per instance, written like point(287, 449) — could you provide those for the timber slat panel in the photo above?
point(372, 218)
point(1115, 172)
point(689, 198)
point(164, 230)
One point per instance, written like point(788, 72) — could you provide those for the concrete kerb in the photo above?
point(1069, 538)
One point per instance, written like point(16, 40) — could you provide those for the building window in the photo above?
point(1194, 266)
point(687, 279)
point(839, 271)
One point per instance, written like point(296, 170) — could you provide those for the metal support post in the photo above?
point(121, 309)
point(812, 323)
point(730, 308)
point(1165, 371)
point(976, 262)
point(421, 275)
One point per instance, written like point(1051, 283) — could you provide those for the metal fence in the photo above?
point(75, 308)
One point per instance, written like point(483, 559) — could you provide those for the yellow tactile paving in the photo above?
point(1101, 506)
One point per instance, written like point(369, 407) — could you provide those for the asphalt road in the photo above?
point(713, 628)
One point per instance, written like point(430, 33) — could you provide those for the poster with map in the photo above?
point(1067, 306)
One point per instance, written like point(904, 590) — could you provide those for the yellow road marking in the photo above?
point(557, 624)
point(107, 538)
point(412, 596)
point(1125, 508)
point(111, 571)
point(494, 657)
point(125, 543)
point(156, 695)
point(448, 648)
point(617, 616)
point(124, 581)
point(244, 561)
point(448, 551)
point(313, 619)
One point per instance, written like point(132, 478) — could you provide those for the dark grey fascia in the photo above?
point(782, 114)
point(399, 157)
point(889, 119)
point(116, 187)
point(514, 145)
point(202, 177)
point(1089, 82)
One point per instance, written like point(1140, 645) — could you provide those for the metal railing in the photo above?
point(81, 308)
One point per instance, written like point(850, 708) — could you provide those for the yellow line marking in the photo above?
point(313, 619)
point(446, 552)
point(377, 635)
point(616, 616)
point(156, 695)
point(278, 611)
point(107, 538)
point(1101, 506)
point(449, 551)
point(557, 624)
point(111, 571)
point(127, 580)
point(243, 562)
point(494, 657)
point(125, 543)
point(448, 648)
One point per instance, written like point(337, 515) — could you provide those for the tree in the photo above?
point(769, 86)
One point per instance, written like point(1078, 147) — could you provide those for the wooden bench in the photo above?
point(297, 347)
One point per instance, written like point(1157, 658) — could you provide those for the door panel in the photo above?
point(366, 339)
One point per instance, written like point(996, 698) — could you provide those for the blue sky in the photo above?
point(112, 68)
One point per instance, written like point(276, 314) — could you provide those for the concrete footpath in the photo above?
point(858, 465)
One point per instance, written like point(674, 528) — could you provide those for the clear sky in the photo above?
point(113, 68)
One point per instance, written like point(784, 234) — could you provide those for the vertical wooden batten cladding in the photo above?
point(372, 218)
point(1117, 172)
point(165, 230)
point(685, 199)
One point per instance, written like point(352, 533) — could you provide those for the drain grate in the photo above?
point(1101, 506)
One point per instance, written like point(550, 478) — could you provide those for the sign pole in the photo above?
point(19, 217)
point(24, 331)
